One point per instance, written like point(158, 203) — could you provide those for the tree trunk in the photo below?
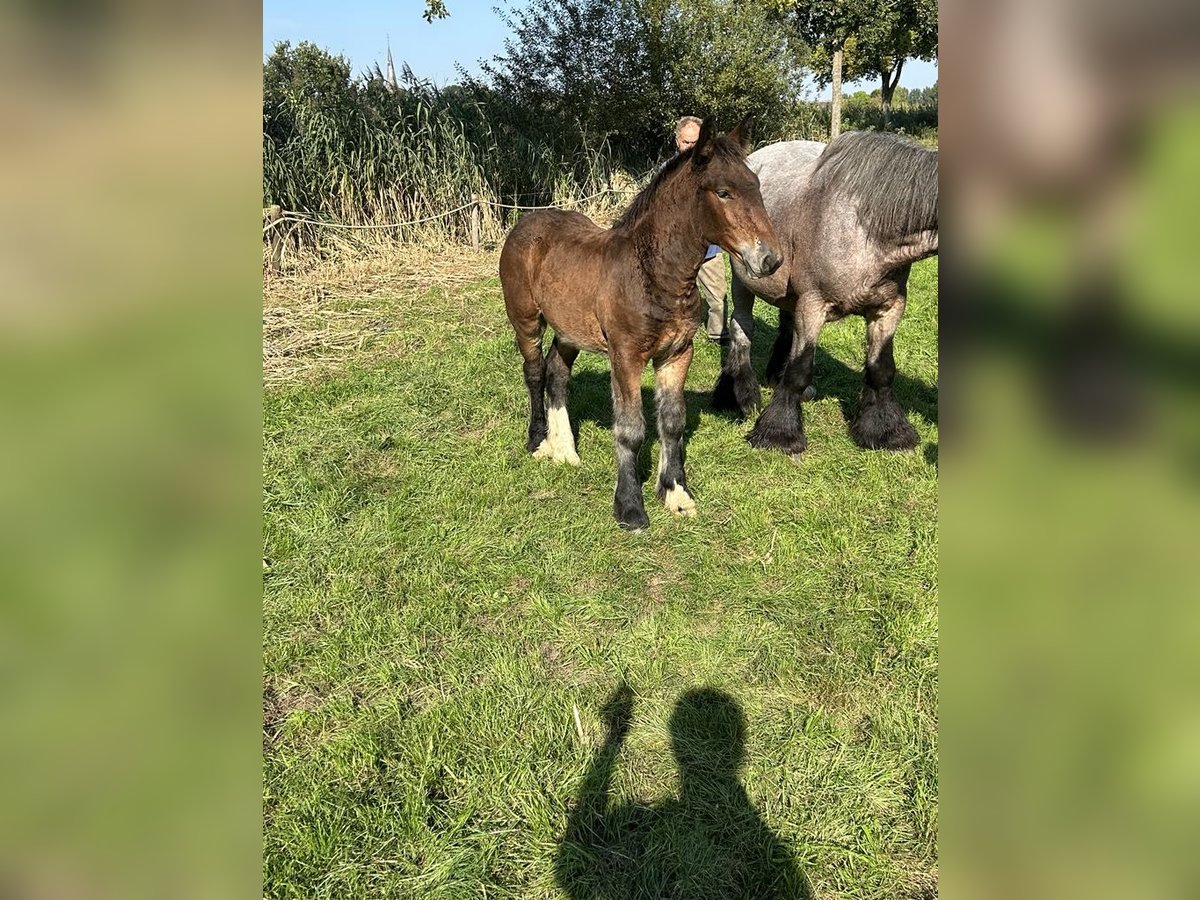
point(835, 105)
point(887, 91)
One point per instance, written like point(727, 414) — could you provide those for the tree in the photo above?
point(620, 71)
point(853, 39)
point(891, 32)
point(304, 79)
point(827, 26)
point(435, 9)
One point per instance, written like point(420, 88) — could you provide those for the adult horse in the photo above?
point(630, 292)
point(853, 217)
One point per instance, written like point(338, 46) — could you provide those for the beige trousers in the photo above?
point(711, 279)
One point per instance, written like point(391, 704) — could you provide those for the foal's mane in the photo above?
point(723, 146)
point(892, 181)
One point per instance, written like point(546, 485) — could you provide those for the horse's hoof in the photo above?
point(767, 438)
point(739, 397)
point(558, 454)
point(883, 426)
point(810, 393)
point(638, 521)
point(677, 500)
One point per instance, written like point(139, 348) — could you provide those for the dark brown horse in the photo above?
point(630, 292)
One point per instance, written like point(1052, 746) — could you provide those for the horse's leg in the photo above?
point(781, 352)
point(560, 442)
point(529, 342)
point(629, 430)
point(737, 389)
point(671, 410)
point(881, 423)
point(781, 425)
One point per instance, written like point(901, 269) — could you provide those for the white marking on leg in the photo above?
point(680, 501)
point(561, 441)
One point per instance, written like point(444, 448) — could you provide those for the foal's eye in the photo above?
point(723, 194)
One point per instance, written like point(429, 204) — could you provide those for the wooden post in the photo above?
point(835, 99)
point(475, 221)
point(275, 260)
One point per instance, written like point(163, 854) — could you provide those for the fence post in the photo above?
point(475, 221)
point(275, 260)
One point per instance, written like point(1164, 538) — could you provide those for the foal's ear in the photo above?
point(742, 134)
point(704, 144)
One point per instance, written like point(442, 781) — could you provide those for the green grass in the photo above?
point(437, 603)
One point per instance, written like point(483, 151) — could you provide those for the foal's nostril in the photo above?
point(770, 263)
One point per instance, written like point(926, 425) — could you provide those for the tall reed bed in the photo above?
point(377, 155)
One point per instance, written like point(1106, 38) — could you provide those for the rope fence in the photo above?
point(276, 215)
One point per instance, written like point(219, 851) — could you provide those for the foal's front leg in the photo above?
point(669, 377)
point(629, 430)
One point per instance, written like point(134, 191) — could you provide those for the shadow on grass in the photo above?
point(833, 378)
point(590, 400)
point(708, 843)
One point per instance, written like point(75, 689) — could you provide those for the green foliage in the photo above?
point(435, 9)
point(914, 112)
point(876, 36)
point(620, 72)
point(360, 151)
point(891, 32)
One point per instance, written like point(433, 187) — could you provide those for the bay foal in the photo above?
point(630, 292)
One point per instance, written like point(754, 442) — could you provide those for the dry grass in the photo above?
point(318, 312)
point(325, 306)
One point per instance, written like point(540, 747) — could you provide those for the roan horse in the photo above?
point(630, 292)
point(853, 217)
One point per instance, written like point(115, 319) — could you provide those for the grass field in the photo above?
point(446, 618)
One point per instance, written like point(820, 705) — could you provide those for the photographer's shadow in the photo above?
point(708, 843)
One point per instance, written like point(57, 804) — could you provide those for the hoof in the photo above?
point(677, 500)
point(535, 441)
point(559, 454)
point(767, 439)
point(883, 426)
point(632, 519)
point(739, 396)
point(779, 427)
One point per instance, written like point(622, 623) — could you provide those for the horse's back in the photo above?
point(550, 266)
point(783, 171)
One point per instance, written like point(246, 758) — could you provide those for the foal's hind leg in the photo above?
point(529, 342)
point(781, 425)
point(671, 406)
point(737, 389)
point(559, 444)
point(629, 430)
point(881, 423)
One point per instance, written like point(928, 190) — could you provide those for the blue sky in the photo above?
point(360, 31)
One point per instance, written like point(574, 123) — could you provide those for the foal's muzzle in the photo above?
point(761, 259)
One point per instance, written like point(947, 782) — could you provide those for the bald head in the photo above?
point(687, 132)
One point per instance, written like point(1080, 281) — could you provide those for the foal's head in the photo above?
point(729, 204)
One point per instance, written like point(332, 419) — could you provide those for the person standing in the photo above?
point(711, 277)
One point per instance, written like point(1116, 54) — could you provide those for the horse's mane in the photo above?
point(722, 146)
point(892, 181)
